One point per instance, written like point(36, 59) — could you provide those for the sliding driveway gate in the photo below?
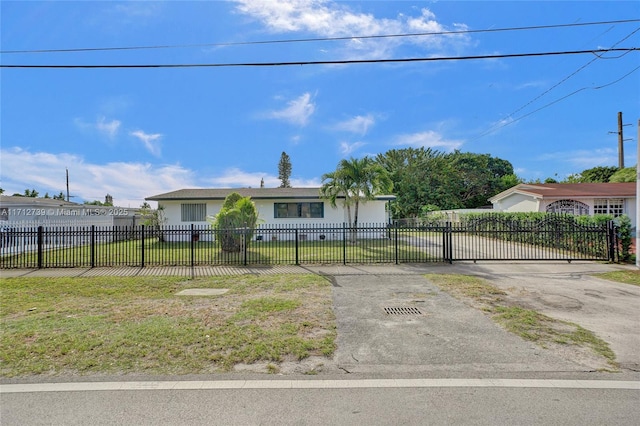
point(269, 245)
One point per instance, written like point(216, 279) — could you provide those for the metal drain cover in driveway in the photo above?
point(402, 310)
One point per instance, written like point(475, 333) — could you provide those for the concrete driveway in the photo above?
point(570, 292)
point(447, 335)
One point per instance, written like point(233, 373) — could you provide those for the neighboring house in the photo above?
point(572, 198)
point(276, 206)
point(31, 211)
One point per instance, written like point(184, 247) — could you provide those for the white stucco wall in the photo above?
point(371, 212)
point(517, 203)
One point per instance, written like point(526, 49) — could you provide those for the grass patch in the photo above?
point(526, 323)
point(137, 325)
point(625, 277)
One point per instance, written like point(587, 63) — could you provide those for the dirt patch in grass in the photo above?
point(139, 325)
point(564, 338)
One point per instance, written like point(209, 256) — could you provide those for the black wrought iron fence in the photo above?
point(141, 246)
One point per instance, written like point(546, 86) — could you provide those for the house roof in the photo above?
point(34, 202)
point(570, 190)
point(254, 193)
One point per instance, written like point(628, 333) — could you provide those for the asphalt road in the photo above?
point(368, 405)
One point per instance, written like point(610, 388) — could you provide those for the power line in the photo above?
point(336, 62)
point(306, 40)
point(499, 126)
point(575, 92)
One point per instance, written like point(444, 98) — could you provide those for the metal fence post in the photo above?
point(192, 246)
point(40, 242)
point(448, 243)
point(244, 246)
point(344, 243)
point(395, 232)
point(142, 248)
point(93, 246)
point(612, 241)
point(297, 246)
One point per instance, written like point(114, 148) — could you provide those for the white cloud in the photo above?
point(151, 141)
point(347, 148)
point(359, 124)
point(428, 139)
point(298, 111)
point(334, 19)
point(585, 158)
point(108, 128)
point(128, 183)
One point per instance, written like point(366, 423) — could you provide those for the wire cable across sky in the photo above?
point(320, 39)
point(334, 62)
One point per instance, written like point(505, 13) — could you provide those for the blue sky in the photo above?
point(134, 133)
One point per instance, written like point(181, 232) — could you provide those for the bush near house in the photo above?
point(235, 222)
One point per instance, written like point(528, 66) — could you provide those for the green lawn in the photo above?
point(138, 325)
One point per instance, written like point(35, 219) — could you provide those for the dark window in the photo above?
point(193, 212)
point(298, 210)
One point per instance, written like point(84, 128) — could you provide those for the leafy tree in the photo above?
point(449, 181)
point(628, 174)
point(358, 180)
point(235, 222)
point(1, 191)
point(598, 174)
point(60, 196)
point(479, 177)
point(31, 193)
point(408, 168)
point(284, 170)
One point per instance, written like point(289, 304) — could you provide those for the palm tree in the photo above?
point(358, 181)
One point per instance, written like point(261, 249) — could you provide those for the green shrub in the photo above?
point(623, 227)
point(235, 222)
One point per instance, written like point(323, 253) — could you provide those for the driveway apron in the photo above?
point(436, 333)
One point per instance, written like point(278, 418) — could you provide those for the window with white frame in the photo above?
point(612, 206)
point(193, 212)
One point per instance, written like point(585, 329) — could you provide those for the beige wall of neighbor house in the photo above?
point(518, 203)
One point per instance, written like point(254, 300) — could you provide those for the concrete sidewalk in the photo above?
point(482, 268)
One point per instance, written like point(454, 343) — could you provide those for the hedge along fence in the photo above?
point(581, 234)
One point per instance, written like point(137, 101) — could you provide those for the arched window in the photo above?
point(568, 207)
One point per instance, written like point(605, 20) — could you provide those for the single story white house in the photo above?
point(572, 198)
point(276, 206)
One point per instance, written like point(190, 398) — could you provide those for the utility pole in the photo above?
point(620, 143)
point(621, 140)
point(67, 184)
